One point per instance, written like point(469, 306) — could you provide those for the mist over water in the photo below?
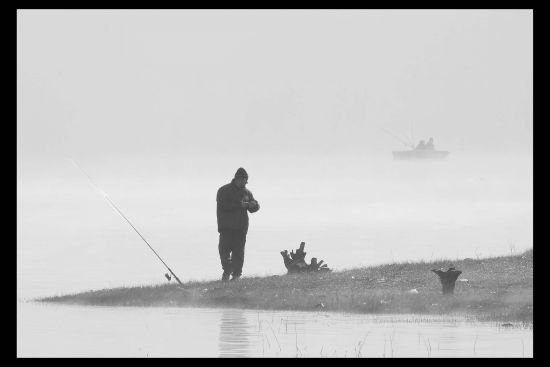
point(161, 108)
point(350, 210)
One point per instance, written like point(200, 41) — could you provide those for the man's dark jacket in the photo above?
point(231, 216)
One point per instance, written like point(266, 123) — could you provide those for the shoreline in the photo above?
point(489, 289)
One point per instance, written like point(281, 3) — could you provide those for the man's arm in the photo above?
point(253, 205)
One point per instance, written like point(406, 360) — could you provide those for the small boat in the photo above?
point(420, 154)
point(422, 151)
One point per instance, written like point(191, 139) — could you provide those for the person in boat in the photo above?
point(234, 202)
point(430, 144)
point(421, 145)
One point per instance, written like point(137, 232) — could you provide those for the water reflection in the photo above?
point(74, 331)
point(234, 340)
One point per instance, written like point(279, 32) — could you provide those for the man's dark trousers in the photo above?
point(231, 249)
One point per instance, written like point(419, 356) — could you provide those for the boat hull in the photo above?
point(419, 154)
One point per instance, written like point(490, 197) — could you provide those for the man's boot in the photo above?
point(225, 276)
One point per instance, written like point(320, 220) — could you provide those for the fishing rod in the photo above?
point(408, 138)
point(395, 136)
point(412, 135)
point(104, 194)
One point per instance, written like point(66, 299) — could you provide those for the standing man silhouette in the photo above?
point(234, 201)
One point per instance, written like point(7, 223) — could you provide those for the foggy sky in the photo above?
point(105, 84)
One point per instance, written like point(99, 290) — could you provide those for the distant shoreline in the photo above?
point(489, 289)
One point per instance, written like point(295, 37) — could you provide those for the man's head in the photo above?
point(241, 178)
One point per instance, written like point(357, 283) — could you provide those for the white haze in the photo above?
point(162, 107)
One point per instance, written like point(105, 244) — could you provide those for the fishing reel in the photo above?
point(168, 276)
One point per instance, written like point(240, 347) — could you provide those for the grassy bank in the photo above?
point(497, 289)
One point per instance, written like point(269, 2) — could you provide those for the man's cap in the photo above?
point(241, 173)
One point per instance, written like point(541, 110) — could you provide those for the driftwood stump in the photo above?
point(448, 279)
point(295, 261)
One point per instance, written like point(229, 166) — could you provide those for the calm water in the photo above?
point(77, 331)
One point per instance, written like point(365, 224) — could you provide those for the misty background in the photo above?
point(161, 107)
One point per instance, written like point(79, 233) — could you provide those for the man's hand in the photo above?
point(245, 204)
point(252, 204)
